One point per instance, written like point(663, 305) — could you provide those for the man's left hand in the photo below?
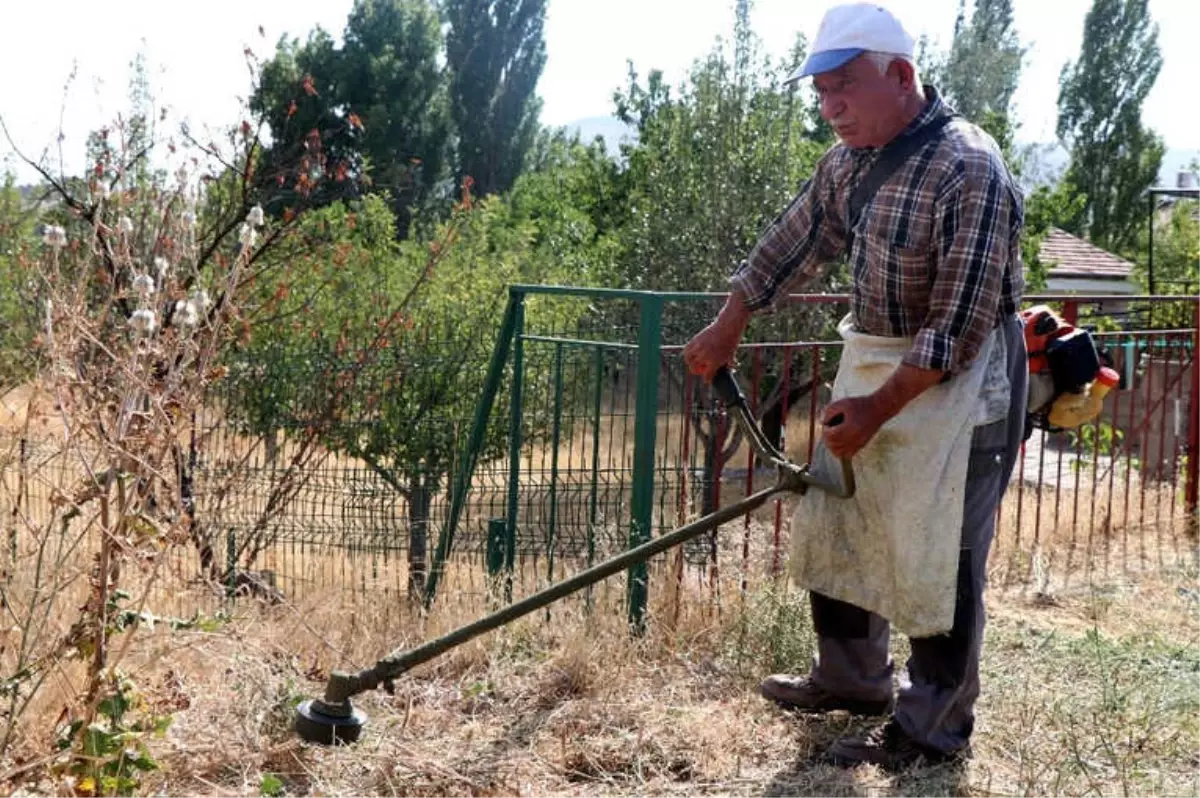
point(862, 416)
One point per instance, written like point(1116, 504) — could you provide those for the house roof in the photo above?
point(1071, 256)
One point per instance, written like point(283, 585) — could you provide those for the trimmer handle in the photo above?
point(727, 388)
point(730, 393)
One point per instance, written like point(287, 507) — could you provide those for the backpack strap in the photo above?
point(891, 158)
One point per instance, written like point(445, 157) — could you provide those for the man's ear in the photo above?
point(903, 72)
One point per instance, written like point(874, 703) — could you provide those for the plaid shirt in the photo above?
point(935, 255)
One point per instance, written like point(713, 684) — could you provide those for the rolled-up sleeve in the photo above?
point(971, 249)
point(793, 250)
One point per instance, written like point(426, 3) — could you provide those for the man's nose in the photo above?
point(831, 108)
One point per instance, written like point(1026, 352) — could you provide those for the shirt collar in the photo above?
point(934, 108)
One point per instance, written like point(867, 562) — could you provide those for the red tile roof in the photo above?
point(1071, 256)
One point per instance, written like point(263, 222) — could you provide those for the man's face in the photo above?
point(862, 105)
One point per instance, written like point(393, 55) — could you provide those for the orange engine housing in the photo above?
point(1042, 325)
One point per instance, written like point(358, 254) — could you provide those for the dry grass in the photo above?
point(1092, 693)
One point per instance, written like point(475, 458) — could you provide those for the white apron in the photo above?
point(893, 549)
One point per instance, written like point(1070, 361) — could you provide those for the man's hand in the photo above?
point(861, 418)
point(715, 345)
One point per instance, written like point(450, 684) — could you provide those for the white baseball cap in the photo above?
point(848, 31)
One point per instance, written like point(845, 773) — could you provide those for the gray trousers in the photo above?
point(936, 703)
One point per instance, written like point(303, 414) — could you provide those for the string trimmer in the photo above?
point(333, 718)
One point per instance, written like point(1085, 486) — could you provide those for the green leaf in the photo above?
point(114, 707)
point(271, 786)
point(161, 724)
point(98, 742)
point(144, 762)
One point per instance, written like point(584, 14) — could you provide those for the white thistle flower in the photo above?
point(143, 321)
point(143, 284)
point(188, 218)
point(202, 300)
point(255, 216)
point(54, 236)
point(126, 225)
point(162, 267)
point(101, 190)
point(247, 235)
point(186, 314)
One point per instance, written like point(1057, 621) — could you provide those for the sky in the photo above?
point(68, 69)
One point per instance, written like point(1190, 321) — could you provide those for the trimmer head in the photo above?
point(326, 724)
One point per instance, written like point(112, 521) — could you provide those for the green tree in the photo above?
point(1114, 159)
point(394, 82)
point(19, 308)
point(495, 53)
point(573, 195)
point(1176, 250)
point(984, 64)
point(370, 115)
point(712, 166)
point(298, 96)
point(979, 74)
point(1045, 207)
point(405, 417)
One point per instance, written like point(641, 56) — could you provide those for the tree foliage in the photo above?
point(713, 164)
point(373, 112)
point(448, 283)
point(1114, 158)
point(1045, 207)
point(979, 74)
point(1176, 251)
point(19, 312)
point(495, 53)
point(984, 64)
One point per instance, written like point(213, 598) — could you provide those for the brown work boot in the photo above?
point(890, 748)
point(802, 694)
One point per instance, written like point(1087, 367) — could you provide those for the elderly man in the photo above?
point(932, 242)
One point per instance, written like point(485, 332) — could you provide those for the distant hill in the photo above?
point(1052, 160)
point(609, 128)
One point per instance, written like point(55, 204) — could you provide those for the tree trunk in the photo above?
point(420, 496)
point(271, 444)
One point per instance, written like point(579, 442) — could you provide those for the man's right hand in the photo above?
point(715, 345)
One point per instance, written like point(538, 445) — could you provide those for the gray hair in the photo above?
point(884, 60)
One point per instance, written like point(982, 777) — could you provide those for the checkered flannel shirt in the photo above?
point(935, 255)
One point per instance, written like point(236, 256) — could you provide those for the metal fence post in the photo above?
point(1070, 312)
point(470, 455)
point(594, 487)
point(1191, 495)
point(555, 440)
point(514, 447)
point(644, 429)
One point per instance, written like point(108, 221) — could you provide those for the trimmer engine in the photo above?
point(1067, 381)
